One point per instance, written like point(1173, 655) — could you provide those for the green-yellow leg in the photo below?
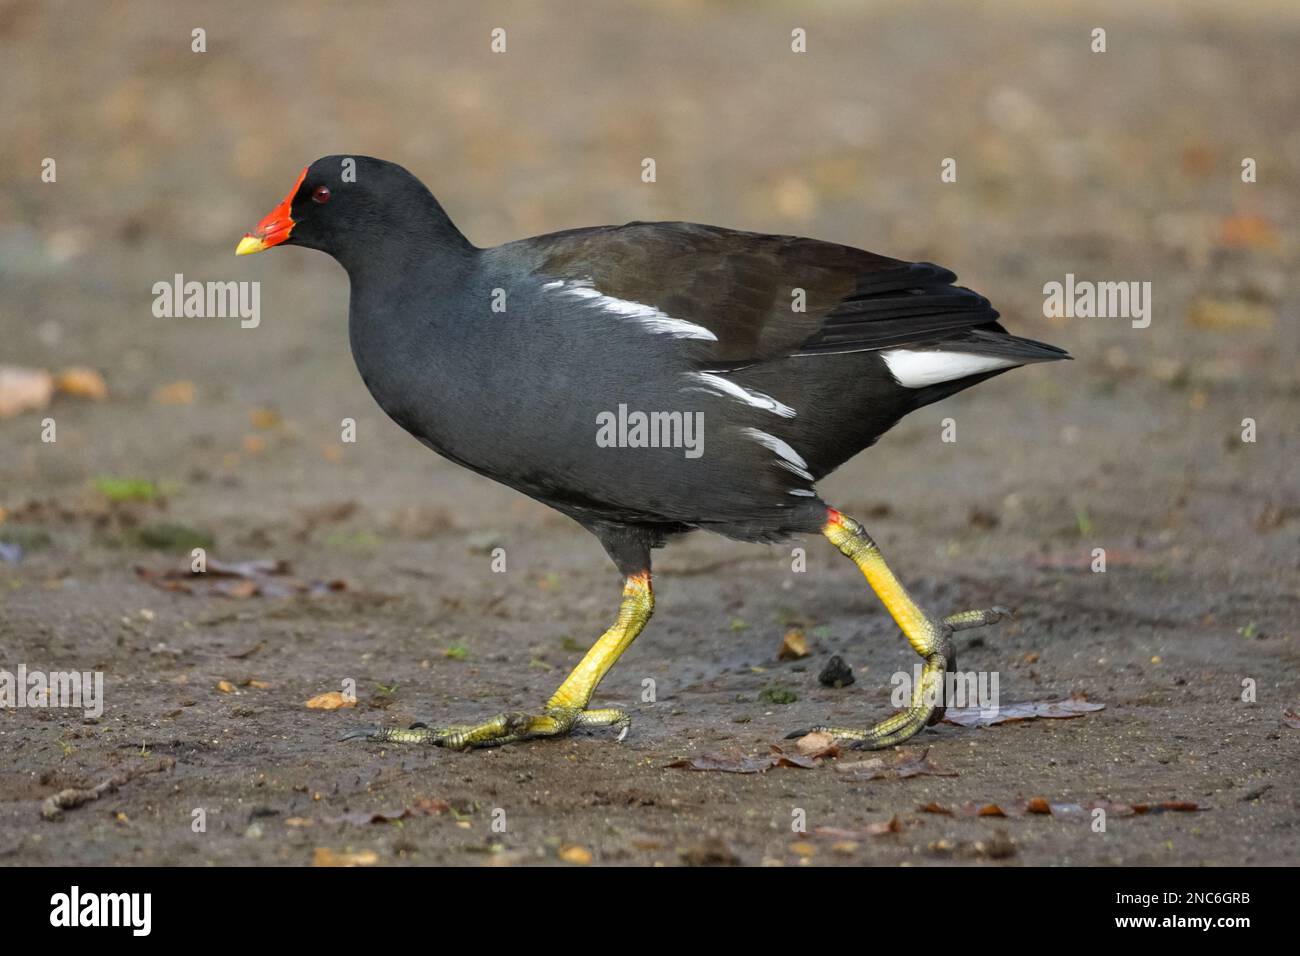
point(931, 639)
point(567, 708)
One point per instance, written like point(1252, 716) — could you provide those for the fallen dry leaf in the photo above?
point(1291, 719)
point(240, 580)
point(898, 766)
point(793, 646)
point(1076, 705)
point(332, 700)
point(323, 856)
point(81, 382)
point(737, 762)
point(71, 798)
point(225, 687)
point(572, 853)
point(240, 590)
point(781, 758)
point(817, 744)
point(424, 807)
point(893, 825)
point(1039, 806)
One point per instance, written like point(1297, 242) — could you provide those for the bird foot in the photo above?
point(501, 729)
point(927, 706)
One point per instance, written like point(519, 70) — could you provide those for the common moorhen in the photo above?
point(647, 380)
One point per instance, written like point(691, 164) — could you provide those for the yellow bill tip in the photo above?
point(249, 245)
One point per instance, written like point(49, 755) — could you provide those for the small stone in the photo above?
point(836, 673)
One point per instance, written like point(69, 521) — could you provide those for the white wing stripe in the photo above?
point(791, 460)
point(718, 385)
point(922, 367)
point(647, 316)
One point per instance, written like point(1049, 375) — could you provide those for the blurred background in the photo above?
point(1115, 166)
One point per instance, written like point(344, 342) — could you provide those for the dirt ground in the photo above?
point(1115, 166)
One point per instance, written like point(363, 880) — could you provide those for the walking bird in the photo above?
point(607, 344)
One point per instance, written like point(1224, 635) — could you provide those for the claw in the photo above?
point(367, 732)
point(968, 619)
point(501, 729)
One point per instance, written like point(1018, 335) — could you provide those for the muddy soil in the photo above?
point(1115, 166)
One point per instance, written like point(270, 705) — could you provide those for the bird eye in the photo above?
point(321, 194)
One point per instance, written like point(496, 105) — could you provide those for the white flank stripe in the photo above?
point(708, 382)
point(804, 493)
point(917, 369)
point(647, 316)
point(791, 460)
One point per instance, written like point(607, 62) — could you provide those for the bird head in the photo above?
point(352, 206)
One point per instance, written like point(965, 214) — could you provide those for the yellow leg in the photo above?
point(638, 604)
point(567, 708)
point(917, 626)
point(931, 639)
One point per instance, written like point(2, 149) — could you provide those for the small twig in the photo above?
point(72, 798)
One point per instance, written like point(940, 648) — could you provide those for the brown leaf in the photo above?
point(725, 763)
point(893, 825)
point(241, 589)
point(1167, 806)
point(225, 687)
point(423, 807)
point(81, 382)
point(734, 761)
point(1039, 806)
point(239, 580)
point(899, 766)
point(572, 853)
point(1076, 705)
point(1291, 719)
point(793, 646)
point(782, 759)
point(331, 700)
point(428, 807)
point(817, 744)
